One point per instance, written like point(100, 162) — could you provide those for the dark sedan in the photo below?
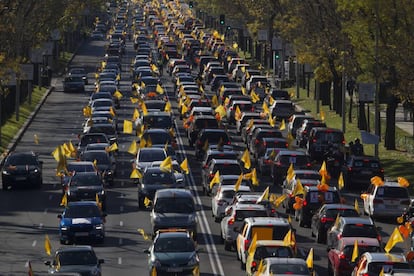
point(86, 186)
point(358, 171)
point(22, 169)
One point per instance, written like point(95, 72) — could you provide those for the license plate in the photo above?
point(174, 269)
point(81, 234)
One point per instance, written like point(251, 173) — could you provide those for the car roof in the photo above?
point(75, 248)
point(314, 188)
point(81, 203)
point(278, 260)
point(391, 184)
point(270, 243)
point(172, 233)
point(231, 187)
point(173, 192)
point(383, 257)
point(361, 241)
point(357, 220)
point(248, 206)
point(292, 152)
point(267, 221)
point(337, 206)
point(224, 161)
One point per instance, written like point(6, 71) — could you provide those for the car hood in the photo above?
point(174, 257)
point(81, 221)
point(86, 189)
point(21, 168)
point(174, 218)
point(82, 269)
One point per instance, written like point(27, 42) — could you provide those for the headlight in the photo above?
point(71, 193)
point(35, 171)
point(103, 192)
point(194, 260)
point(192, 219)
point(99, 226)
point(64, 228)
point(6, 172)
point(157, 219)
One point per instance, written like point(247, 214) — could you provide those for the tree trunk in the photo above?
point(390, 123)
point(337, 95)
point(325, 93)
point(362, 118)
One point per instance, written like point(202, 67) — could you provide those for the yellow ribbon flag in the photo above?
point(265, 108)
point(355, 251)
point(255, 180)
point(159, 89)
point(135, 174)
point(184, 109)
point(356, 206)
point(64, 201)
point(128, 127)
point(282, 125)
point(254, 96)
point(253, 244)
point(167, 107)
point(287, 240)
point(215, 180)
point(341, 182)
point(112, 111)
point(214, 101)
point(246, 159)
point(290, 171)
point(147, 201)
point(184, 166)
point(133, 149)
point(298, 188)
point(196, 271)
point(133, 100)
point(166, 164)
point(237, 114)
point(309, 259)
point(238, 183)
point(135, 115)
point(271, 100)
point(154, 271)
point(272, 121)
point(279, 200)
point(144, 235)
point(144, 109)
point(113, 147)
point(322, 115)
point(118, 94)
point(395, 238)
point(264, 196)
point(142, 143)
point(98, 202)
point(36, 139)
point(260, 268)
point(48, 246)
point(323, 171)
point(221, 111)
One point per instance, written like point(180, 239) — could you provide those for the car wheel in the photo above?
point(140, 203)
point(319, 237)
point(242, 265)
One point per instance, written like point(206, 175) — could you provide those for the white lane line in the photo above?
point(119, 260)
point(121, 223)
point(34, 243)
point(121, 208)
point(204, 225)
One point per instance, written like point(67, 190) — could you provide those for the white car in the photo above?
point(372, 263)
point(223, 198)
point(388, 200)
point(282, 266)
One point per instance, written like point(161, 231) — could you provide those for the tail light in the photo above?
point(252, 109)
point(313, 140)
point(343, 142)
point(349, 169)
point(254, 264)
point(379, 238)
point(264, 143)
point(305, 203)
point(278, 163)
point(256, 141)
point(378, 201)
point(267, 161)
point(339, 236)
point(286, 145)
point(325, 219)
point(228, 143)
point(308, 165)
point(231, 108)
point(273, 211)
point(246, 244)
point(342, 256)
point(230, 221)
point(381, 170)
point(205, 167)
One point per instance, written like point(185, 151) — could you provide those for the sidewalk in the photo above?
point(407, 126)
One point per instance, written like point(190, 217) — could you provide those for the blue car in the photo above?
point(82, 221)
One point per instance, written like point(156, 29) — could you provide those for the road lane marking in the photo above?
point(34, 243)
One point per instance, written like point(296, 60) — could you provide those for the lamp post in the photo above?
point(376, 99)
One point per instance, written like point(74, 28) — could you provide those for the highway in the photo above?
point(26, 216)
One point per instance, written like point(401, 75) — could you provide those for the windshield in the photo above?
point(273, 251)
point(85, 180)
point(82, 211)
point(175, 244)
point(157, 178)
point(174, 205)
point(21, 159)
point(76, 258)
point(151, 156)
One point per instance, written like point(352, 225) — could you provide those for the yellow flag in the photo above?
point(149, 142)
point(238, 183)
point(356, 205)
point(133, 148)
point(336, 224)
point(72, 149)
point(246, 159)
point(214, 101)
point(403, 182)
point(264, 196)
point(98, 202)
point(341, 183)
point(64, 201)
point(215, 180)
point(112, 112)
point(140, 130)
point(127, 127)
point(184, 166)
point(255, 180)
point(309, 259)
point(287, 240)
point(48, 246)
point(237, 114)
point(282, 125)
point(113, 147)
point(167, 107)
point(118, 94)
point(154, 271)
point(271, 100)
point(221, 111)
point(184, 109)
point(159, 89)
point(166, 164)
point(144, 109)
point(291, 169)
point(298, 188)
point(36, 139)
point(355, 251)
point(395, 238)
point(133, 100)
point(260, 268)
point(289, 219)
point(87, 111)
point(142, 143)
point(144, 235)
point(135, 174)
point(135, 115)
point(253, 244)
point(279, 200)
point(272, 121)
point(147, 201)
point(323, 171)
point(254, 96)
point(196, 271)
point(381, 272)
point(265, 108)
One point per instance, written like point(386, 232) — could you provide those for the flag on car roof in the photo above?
point(309, 259)
point(215, 180)
point(166, 164)
point(135, 174)
point(355, 251)
point(246, 159)
point(238, 183)
point(395, 238)
point(48, 245)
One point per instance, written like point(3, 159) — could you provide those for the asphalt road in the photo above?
point(26, 216)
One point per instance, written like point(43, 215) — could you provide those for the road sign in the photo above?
point(26, 71)
point(366, 92)
point(262, 35)
point(276, 44)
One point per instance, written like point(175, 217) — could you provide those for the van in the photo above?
point(321, 138)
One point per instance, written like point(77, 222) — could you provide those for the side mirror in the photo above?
point(59, 216)
point(146, 251)
point(47, 263)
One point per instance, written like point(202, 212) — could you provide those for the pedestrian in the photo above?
point(357, 148)
point(406, 109)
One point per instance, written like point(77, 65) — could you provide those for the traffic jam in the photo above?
point(207, 126)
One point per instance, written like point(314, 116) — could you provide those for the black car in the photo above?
point(358, 170)
point(104, 163)
point(73, 84)
point(79, 72)
point(198, 123)
point(22, 169)
point(86, 186)
point(75, 259)
point(208, 137)
point(282, 161)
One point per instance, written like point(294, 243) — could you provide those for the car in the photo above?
point(340, 258)
point(72, 168)
point(218, 154)
point(79, 72)
point(145, 157)
point(302, 133)
point(242, 106)
point(371, 263)
point(244, 120)
point(103, 162)
point(154, 179)
point(387, 200)
point(282, 109)
point(325, 217)
point(264, 162)
point(357, 171)
point(108, 128)
point(207, 137)
point(295, 122)
point(174, 208)
point(263, 143)
point(313, 198)
point(265, 228)
point(253, 198)
point(255, 128)
point(75, 259)
point(197, 124)
point(234, 217)
point(155, 119)
point(73, 84)
point(178, 171)
point(223, 166)
point(22, 169)
point(321, 138)
point(357, 227)
point(266, 249)
point(173, 252)
point(90, 138)
point(159, 137)
point(285, 266)
point(222, 199)
point(82, 220)
point(229, 179)
point(283, 160)
point(255, 141)
point(86, 186)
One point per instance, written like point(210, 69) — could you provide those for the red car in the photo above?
point(339, 258)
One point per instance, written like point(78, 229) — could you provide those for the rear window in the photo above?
point(392, 192)
point(269, 134)
point(312, 176)
point(215, 137)
point(332, 136)
point(332, 213)
point(366, 164)
point(299, 269)
point(376, 267)
point(283, 106)
point(359, 230)
point(316, 197)
point(242, 214)
point(228, 194)
point(157, 121)
point(298, 160)
point(206, 123)
point(225, 169)
point(272, 251)
point(158, 138)
point(361, 249)
point(271, 232)
point(244, 107)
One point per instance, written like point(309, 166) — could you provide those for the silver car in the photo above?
point(235, 215)
point(222, 199)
